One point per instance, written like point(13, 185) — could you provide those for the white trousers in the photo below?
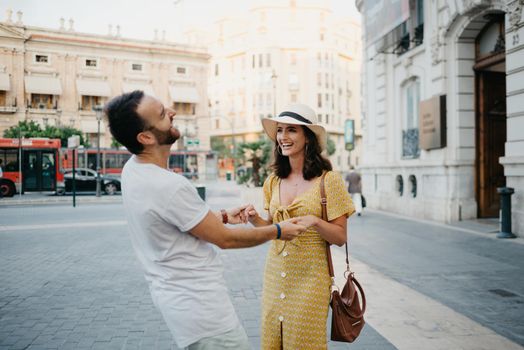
point(357, 201)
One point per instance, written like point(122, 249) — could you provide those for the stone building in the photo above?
point(58, 76)
point(443, 107)
point(283, 52)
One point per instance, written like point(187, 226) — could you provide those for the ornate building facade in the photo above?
point(443, 107)
point(285, 52)
point(58, 76)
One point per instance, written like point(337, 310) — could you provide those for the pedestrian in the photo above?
point(171, 229)
point(296, 289)
point(354, 185)
point(1, 179)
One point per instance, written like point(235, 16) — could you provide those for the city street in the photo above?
point(69, 280)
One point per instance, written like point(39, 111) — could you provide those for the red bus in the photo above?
point(113, 160)
point(40, 167)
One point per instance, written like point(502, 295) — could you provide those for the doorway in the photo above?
point(490, 79)
point(39, 170)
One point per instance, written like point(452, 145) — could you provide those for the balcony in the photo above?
point(8, 109)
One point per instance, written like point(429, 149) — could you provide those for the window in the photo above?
point(216, 69)
point(410, 147)
point(182, 108)
point(136, 67)
point(260, 63)
point(92, 63)
point(320, 118)
point(3, 95)
point(319, 79)
point(321, 36)
point(42, 58)
point(41, 101)
point(254, 59)
point(89, 102)
point(181, 70)
point(268, 60)
point(293, 98)
point(293, 59)
point(319, 101)
point(217, 123)
point(10, 159)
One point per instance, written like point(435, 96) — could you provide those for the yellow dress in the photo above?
point(296, 292)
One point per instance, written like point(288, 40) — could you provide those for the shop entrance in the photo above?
point(490, 78)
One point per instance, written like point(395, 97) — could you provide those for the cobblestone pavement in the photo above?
point(69, 280)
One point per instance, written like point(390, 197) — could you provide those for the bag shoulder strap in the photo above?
point(323, 202)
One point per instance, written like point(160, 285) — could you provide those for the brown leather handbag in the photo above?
point(347, 315)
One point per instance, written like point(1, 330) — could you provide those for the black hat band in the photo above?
point(295, 116)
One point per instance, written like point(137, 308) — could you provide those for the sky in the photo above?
point(137, 18)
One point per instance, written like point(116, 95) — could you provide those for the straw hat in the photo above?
point(297, 114)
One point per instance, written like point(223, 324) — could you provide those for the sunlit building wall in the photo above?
point(284, 52)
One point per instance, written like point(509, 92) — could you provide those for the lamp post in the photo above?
point(274, 77)
point(98, 110)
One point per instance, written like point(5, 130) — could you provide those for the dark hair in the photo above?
point(314, 162)
point(124, 122)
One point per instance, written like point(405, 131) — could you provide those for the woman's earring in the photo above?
point(306, 148)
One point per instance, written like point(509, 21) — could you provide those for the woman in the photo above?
point(296, 289)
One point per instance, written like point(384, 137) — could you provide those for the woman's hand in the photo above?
point(237, 215)
point(308, 220)
point(250, 213)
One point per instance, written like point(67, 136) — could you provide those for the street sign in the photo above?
point(190, 142)
point(349, 134)
point(73, 141)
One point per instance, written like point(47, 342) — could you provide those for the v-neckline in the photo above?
point(298, 195)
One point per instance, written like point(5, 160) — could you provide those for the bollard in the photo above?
point(505, 212)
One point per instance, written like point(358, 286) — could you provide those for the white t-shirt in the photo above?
point(185, 273)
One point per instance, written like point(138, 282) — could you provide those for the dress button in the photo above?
point(282, 295)
point(281, 318)
point(284, 253)
point(283, 274)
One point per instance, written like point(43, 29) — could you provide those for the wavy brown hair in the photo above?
point(314, 162)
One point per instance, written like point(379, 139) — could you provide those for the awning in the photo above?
point(147, 88)
point(93, 88)
point(43, 85)
point(5, 83)
point(91, 126)
point(187, 94)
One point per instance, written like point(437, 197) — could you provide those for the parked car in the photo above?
point(86, 181)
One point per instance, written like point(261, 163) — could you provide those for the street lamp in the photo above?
point(98, 110)
point(274, 77)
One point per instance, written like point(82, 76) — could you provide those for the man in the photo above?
point(354, 184)
point(170, 227)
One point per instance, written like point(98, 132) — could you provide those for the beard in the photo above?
point(165, 137)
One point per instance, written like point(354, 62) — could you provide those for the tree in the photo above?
point(331, 147)
point(29, 128)
point(258, 154)
point(219, 145)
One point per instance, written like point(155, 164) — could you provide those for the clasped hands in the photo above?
point(247, 213)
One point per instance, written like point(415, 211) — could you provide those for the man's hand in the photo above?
point(291, 229)
point(250, 213)
point(236, 215)
point(307, 220)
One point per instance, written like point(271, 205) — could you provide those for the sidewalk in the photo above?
point(78, 285)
